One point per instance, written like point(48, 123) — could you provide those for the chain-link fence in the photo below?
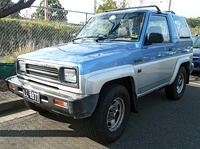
point(36, 28)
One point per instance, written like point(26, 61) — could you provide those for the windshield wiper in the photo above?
point(133, 37)
point(83, 38)
point(97, 38)
point(76, 38)
point(101, 38)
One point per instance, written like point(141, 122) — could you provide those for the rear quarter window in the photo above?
point(181, 27)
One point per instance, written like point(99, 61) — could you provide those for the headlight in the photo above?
point(21, 66)
point(70, 75)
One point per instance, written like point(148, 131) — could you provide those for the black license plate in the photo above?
point(34, 96)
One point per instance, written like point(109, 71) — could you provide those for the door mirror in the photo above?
point(155, 38)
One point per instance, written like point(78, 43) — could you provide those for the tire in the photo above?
point(33, 107)
point(111, 115)
point(176, 90)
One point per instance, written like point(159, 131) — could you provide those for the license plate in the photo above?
point(34, 96)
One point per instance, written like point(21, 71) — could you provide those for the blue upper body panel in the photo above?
point(89, 55)
point(92, 55)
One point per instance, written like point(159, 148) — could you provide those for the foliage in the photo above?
point(196, 31)
point(4, 4)
point(192, 22)
point(112, 4)
point(7, 7)
point(107, 5)
point(54, 11)
point(17, 34)
point(123, 3)
point(8, 3)
point(10, 58)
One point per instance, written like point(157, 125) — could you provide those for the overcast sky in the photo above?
point(186, 8)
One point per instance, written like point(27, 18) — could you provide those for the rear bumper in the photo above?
point(76, 105)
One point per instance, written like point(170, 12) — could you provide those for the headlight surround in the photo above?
point(70, 75)
point(21, 67)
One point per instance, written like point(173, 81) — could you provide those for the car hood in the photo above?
point(79, 51)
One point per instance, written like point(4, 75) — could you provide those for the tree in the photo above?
point(123, 3)
point(196, 31)
point(7, 8)
point(13, 15)
point(111, 4)
point(107, 5)
point(192, 22)
point(55, 11)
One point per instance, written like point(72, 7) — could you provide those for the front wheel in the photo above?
point(176, 90)
point(111, 115)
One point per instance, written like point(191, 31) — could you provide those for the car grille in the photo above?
point(42, 71)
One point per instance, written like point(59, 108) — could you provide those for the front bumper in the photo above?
point(76, 105)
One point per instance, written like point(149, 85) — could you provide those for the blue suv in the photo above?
point(116, 58)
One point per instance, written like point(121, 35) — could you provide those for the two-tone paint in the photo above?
point(149, 67)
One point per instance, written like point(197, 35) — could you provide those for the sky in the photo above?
point(186, 8)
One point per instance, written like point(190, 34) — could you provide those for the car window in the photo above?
point(196, 41)
point(158, 24)
point(181, 27)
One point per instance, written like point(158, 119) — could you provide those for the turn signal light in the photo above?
point(61, 103)
point(12, 86)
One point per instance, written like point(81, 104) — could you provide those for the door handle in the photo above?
point(170, 49)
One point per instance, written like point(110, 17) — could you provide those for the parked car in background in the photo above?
point(196, 53)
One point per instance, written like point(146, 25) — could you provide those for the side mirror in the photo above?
point(155, 38)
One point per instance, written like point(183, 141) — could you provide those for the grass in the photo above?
point(11, 58)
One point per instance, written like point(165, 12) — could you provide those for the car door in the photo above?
point(157, 64)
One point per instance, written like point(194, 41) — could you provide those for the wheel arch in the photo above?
point(187, 68)
point(185, 62)
point(129, 84)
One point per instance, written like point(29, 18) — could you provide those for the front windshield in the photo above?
point(122, 26)
point(196, 41)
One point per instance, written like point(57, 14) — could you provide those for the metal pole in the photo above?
point(46, 10)
point(170, 3)
point(95, 6)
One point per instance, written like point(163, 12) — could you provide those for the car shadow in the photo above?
point(160, 122)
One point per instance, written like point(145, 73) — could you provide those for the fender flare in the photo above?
point(95, 81)
point(178, 65)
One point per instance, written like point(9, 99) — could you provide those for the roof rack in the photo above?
point(170, 12)
point(158, 9)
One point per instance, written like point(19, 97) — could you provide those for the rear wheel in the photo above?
point(176, 90)
point(111, 115)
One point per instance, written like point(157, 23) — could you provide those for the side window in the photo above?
point(158, 24)
point(181, 27)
